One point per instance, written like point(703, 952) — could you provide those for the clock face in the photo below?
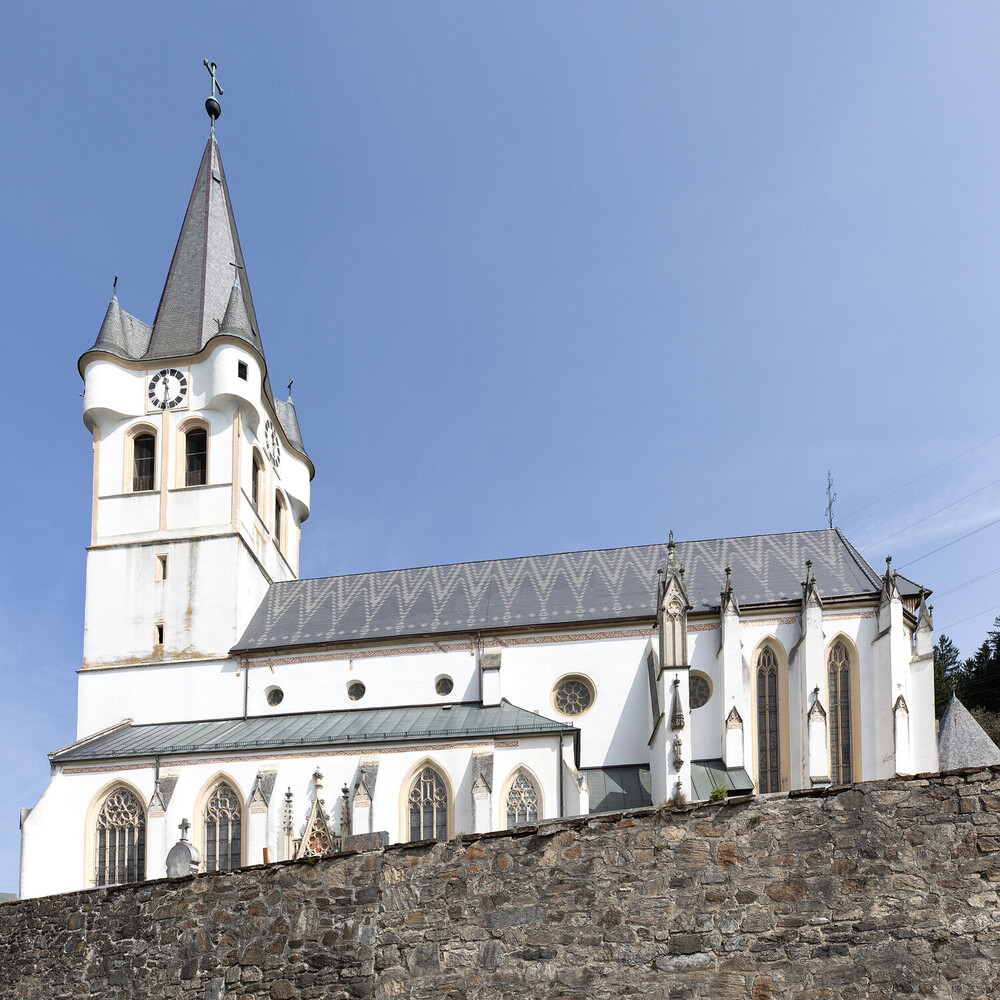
point(272, 446)
point(168, 389)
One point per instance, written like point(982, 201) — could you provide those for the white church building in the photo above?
point(421, 702)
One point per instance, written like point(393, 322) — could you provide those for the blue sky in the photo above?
point(547, 276)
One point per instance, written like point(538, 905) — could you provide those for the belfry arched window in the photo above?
point(768, 739)
point(838, 666)
point(223, 830)
point(522, 801)
point(257, 483)
point(428, 806)
point(143, 462)
point(120, 839)
point(196, 457)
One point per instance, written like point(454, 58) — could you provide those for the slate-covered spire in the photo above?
point(121, 334)
point(197, 291)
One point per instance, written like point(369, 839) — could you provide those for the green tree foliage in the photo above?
point(990, 721)
point(977, 682)
point(946, 663)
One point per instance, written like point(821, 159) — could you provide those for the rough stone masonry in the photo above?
point(888, 888)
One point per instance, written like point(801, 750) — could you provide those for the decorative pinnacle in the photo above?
point(212, 106)
point(184, 826)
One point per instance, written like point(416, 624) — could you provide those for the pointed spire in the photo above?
point(197, 290)
point(925, 618)
point(810, 592)
point(727, 598)
point(235, 322)
point(890, 590)
point(121, 334)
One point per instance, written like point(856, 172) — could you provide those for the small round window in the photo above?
point(274, 696)
point(443, 685)
point(573, 696)
point(699, 690)
point(355, 691)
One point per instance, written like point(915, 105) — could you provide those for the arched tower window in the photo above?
point(257, 482)
point(279, 521)
point(196, 457)
point(768, 740)
point(223, 830)
point(120, 839)
point(838, 677)
point(522, 801)
point(143, 462)
point(428, 806)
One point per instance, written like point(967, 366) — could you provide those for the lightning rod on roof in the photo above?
point(830, 498)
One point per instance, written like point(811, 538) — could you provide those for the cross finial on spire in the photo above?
point(236, 271)
point(212, 106)
point(114, 288)
point(290, 381)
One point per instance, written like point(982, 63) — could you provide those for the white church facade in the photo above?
point(279, 716)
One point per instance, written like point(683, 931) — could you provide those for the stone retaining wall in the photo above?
point(886, 888)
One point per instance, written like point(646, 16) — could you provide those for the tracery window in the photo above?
point(121, 840)
point(573, 696)
point(196, 457)
point(143, 462)
point(839, 681)
point(223, 830)
point(699, 690)
point(768, 763)
point(428, 802)
point(522, 801)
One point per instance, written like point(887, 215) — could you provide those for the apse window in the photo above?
point(356, 691)
point(699, 690)
point(443, 685)
point(274, 696)
point(161, 568)
point(158, 634)
point(241, 370)
point(573, 696)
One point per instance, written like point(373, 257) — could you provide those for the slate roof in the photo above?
point(615, 788)
point(203, 296)
point(962, 742)
point(569, 587)
point(312, 729)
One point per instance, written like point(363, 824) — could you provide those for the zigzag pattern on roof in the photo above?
point(590, 586)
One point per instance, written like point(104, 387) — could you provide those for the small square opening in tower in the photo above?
point(158, 633)
point(161, 568)
point(241, 370)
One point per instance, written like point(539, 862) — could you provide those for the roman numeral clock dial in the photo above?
point(167, 389)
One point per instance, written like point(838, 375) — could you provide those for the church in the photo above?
point(414, 704)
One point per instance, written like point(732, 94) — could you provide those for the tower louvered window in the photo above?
point(143, 462)
point(522, 801)
point(223, 830)
point(841, 746)
point(768, 762)
point(196, 457)
point(121, 840)
point(428, 803)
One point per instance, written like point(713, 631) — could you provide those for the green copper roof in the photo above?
point(313, 729)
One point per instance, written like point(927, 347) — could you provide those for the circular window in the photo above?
point(699, 690)
point(355, 691)
point(443, 685)
point(573, 696)
point(274, 696)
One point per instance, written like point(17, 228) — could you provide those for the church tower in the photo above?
point(201, 480)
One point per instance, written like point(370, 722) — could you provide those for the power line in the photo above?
point(959, 586)
point(978, 614)
point(954, 541)
point(928, 516)
point(922, 476)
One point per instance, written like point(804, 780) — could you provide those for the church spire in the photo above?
point(196, 295)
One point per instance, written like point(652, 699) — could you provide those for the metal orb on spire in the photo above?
point(212, 106)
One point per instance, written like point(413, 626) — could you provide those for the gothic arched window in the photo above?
point(196, 457)
point(428, 806)
point(522, 801)
point(838, 676)
point(121, 840)
point(143, 462)
point(223, 830)
point(768, 763)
